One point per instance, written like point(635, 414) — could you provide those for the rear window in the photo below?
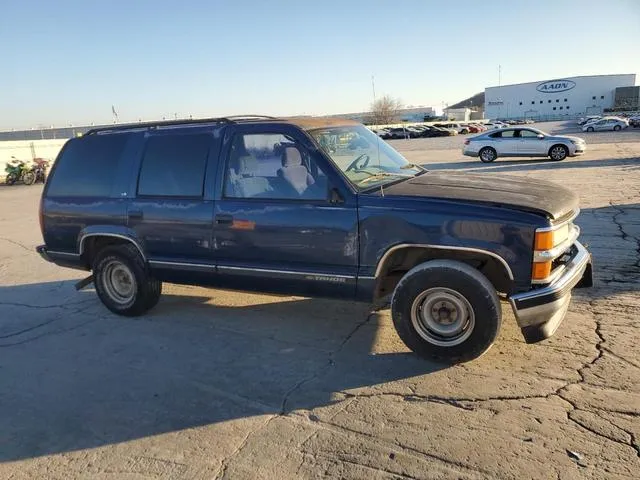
point(87, 166)
point(174, 165)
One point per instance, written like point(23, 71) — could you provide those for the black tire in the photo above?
point(455, 279)
point(617, 128)
point(11, 179)
point(487, 155)
point(589, 129)
point(558, 153)
point(146, 290)
point(29, 178)
point(464, 131)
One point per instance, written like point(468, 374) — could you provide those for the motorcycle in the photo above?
point(17, 170)
point(40, 169)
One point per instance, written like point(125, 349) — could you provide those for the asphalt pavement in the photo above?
point(217, 384)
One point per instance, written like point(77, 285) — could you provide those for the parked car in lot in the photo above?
point(383, 133)
point(436, 132)
point(634, 121)
point(446, 131)
point(261, 204)
point(590, 118)
point(522, 142)
point(475, 128)
point(403, 132)
point(606, 123)
point(461, 129)
point(495, 124)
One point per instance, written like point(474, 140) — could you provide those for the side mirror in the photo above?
point(540, 136)
point(334, 197)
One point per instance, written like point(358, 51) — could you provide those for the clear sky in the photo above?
point(69, 61)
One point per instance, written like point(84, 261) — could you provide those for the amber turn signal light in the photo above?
point(544, 240)
point(541, 270)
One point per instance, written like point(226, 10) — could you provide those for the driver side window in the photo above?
point(271, 165)
point(528, 134)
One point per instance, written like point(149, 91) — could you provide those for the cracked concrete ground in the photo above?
point(215, 384)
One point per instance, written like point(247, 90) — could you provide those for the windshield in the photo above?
point(366, 159)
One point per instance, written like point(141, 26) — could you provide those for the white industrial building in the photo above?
point(557, 98)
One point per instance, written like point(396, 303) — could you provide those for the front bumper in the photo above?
point(539, 312)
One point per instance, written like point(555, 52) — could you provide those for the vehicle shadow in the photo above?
point(612, 235)
point(76, 376)
point(534, 164)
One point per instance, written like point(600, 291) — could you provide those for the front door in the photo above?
point(284, 220)
point(172, 211)
point(531, 144)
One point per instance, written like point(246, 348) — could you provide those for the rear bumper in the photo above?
point(469, 153)
point(42, 251)
point(540, 312)
point(63, 259)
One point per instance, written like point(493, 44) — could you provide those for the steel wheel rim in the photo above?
point(119, 282)
point(442, 317)
point(558, 153)
point(487, 155)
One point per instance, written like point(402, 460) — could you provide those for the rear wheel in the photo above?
point(123, 282)
point(617, 128)
point(488, 155)
point(558, 152)
point(446, 309)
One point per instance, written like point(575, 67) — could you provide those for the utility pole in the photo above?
point(499, 75)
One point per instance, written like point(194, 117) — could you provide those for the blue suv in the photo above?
point(313, 207)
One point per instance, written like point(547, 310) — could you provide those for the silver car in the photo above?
point(522, 142)
point(606, 123)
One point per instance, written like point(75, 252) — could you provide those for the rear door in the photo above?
point(285, 221)
point(172, 211)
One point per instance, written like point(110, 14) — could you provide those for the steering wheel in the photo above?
point(354, 165)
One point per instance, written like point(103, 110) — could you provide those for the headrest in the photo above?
point(247, 166)
point(291, 157)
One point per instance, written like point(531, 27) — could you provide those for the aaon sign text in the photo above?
point(554, 86)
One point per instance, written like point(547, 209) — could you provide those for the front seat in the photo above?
point(245, 183)
point(294, 172)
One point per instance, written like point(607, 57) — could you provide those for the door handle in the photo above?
point(135, 214)
point(224, 219)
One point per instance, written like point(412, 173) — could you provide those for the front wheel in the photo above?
point(29, 178)
point(488, 155)
point(617, 128)
point(446, 309)
point(589, 129)
point(558, 152)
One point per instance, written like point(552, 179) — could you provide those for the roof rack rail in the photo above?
point(168, 123)
point(160, 123)
point(250, 117)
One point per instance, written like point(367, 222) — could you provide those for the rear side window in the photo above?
point(87, 166)
point(174, 165)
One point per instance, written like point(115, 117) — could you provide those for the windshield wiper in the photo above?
point(377, 176)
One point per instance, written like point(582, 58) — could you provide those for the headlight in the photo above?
point(546, 239)
point(549, 243)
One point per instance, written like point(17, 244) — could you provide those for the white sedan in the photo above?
point(606, 123)
point(522, 142)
